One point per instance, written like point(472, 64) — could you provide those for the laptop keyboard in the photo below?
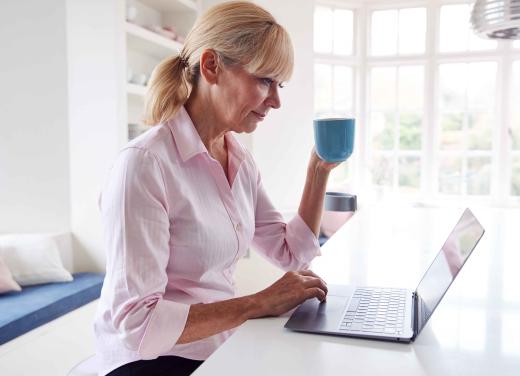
point(375, 310)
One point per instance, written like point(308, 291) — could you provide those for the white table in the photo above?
point(474, 331)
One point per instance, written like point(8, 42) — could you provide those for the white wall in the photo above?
point(34, 148)
point(95, 53)
point(60, 108)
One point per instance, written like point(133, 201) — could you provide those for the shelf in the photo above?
point(172, 5)
point(134, 89)
point(141, 39)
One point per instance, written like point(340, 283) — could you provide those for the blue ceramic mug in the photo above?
point(334, 138)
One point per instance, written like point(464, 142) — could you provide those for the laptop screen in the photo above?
point(447, 265)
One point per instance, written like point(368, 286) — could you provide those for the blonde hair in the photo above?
point(239, 32)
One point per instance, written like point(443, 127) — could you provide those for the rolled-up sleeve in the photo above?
point(292, 245)
point(136, 231)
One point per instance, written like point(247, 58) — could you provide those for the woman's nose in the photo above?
point(273, 99)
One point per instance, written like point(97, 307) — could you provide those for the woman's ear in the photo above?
point(209, 67)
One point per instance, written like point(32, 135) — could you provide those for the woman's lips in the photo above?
point(258, 115)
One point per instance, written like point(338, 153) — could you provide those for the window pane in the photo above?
point(323, 23)
point(479, 175)
point(410, 173)
point(383, 88)
point(510, 321)
point(450, 172)
point(384, 32)
point(412, 30)
point(479, 131)
point(454, 27)
point(322, 88)
point(343, 31)
point(410, 131)
point(411, 89)
point(515, 125)
point(456, 33)
point(382, 170)
point(515, 177)
point(383, 126)
point(452, 131)
point(477, 43)
point(343, 90)
point(481, 85)
point(453, 85)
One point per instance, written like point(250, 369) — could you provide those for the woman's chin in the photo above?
point(249, 127)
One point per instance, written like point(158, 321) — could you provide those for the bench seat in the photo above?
point(36, 305)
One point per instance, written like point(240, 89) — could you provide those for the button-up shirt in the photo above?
point(174, 228)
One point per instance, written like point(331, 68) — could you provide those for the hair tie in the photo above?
point(184, 62)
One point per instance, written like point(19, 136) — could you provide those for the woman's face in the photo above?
point(242, 99)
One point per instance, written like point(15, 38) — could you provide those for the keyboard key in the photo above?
point(352, 307)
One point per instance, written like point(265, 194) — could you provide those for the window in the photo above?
point(432, 109)
point(333, 89)
point(467, 92)
point(432, 100)
point(333, 31)
point(455, 33)
point(400, 32)
point(334, 67)
point(396, 112)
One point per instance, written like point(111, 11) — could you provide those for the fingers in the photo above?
point(313, 280)
point(315, 287)
point(315, 292)
point(308, 272)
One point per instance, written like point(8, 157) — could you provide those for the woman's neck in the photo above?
point(202, 114)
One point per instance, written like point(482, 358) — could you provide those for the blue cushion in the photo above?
point(36, 305)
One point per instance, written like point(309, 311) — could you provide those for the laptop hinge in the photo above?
point(415, 313)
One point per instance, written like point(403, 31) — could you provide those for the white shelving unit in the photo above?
point(145, 48)
point(153, 44)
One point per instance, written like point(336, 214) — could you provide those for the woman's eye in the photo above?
point(281, 85)
point(267, 81)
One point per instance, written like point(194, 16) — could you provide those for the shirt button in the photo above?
point(238, 227)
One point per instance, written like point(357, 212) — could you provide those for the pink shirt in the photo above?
point(174, 229)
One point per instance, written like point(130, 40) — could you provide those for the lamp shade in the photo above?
point(496, 19)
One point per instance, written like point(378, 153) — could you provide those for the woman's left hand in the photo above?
point(318, 164)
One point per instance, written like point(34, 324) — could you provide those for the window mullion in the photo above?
point(431, 90)
point(397, 123)
point(361, 46)
point(501, 179)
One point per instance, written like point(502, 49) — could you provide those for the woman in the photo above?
point(185, 201)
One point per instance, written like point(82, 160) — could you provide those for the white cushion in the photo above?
point(33, 259)
point(7, 283)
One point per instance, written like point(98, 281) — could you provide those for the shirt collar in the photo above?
point(188, 140)
point(186, 136)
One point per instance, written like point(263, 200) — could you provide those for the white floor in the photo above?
point(52, 349)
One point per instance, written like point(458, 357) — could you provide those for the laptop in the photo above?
point(391, 314)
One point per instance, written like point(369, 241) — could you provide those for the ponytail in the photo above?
point(169, 88)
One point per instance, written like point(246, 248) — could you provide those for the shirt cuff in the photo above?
point(302, 240)
point(164, 328)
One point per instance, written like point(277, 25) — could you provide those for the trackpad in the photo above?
point(321, 317)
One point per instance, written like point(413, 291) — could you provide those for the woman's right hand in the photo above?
point(288, 292)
